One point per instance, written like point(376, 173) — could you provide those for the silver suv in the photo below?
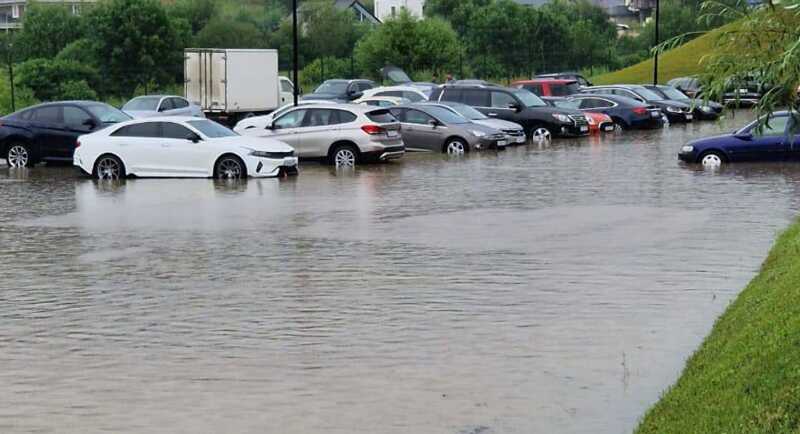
point(343, 134)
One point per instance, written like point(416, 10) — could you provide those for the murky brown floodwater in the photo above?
point(537, 290)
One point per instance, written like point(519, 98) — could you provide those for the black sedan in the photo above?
point(49, 132)
point(776, 140)
point(625, 112)
point(703, 110)
point(674, 110)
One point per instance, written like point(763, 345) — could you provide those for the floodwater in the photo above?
point(544, 289)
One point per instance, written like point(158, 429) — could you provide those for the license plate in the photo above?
point(655, 114)
point(392, 133)
point(501, 143)
point(290, 161)
point(743, 90)
point(689, 117)
point(521, 139)
point(608, 128)
point(584, 129)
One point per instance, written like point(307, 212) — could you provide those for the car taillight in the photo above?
point(373, 129)
point(77, 144)
point(640, 110)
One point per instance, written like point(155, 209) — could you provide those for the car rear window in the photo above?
point(564, 89)
point(381, 116)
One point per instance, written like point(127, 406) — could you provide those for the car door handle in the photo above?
point(492, 114)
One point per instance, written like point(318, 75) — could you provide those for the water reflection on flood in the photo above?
point(554, 288)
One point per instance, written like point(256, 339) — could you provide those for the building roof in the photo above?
point(358, 6)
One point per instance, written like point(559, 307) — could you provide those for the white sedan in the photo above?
point(185, 147)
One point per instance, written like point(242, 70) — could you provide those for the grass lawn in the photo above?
point(680, 61)
point(745, 377)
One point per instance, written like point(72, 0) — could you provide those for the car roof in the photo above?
point(477, 86)
point(396, 87)
point(339, 106)
point(548, 80)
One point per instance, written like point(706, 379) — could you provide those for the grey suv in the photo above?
point(343, 134)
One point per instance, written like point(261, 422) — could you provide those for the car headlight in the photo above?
point(477, 133)
point(673, 109)
point(562, 118)
point(687, 148)
point(272, 155)
point(706, 109)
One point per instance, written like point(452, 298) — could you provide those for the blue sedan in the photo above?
point(776, 141)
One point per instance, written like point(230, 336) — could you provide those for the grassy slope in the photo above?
point(745, 378)
point(678, 62)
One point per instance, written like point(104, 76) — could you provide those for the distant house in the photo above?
point(12, 11)
point(386, 9)
point(361, 12)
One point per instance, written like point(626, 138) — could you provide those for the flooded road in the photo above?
point(553, 289)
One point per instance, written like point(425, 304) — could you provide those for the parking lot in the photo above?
point(553, 288)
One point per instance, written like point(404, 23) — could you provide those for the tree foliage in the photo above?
point(46, 30)
point(48, 78)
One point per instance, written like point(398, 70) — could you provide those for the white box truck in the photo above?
point(231, 84)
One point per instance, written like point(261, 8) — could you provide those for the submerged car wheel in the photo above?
point(541, 135)
point(19, 155)
point(712, 160)
point(109, 167)
point(456, 146)
point(229, 167)
point(344, 156)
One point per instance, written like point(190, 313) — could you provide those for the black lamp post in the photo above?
point(295, 55)
point(655, 59)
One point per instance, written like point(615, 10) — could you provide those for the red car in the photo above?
point(597, 121)
point(549, 86)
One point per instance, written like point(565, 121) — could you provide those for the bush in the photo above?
point(76, 90)
point(323, 69)
point(41, 76)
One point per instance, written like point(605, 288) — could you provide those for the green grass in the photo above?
point(745, 377)
point(680, 61)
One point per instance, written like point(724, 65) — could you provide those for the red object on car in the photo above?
point(549, 86)
point(599, 122)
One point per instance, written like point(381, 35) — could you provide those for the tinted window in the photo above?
point(334, 87)
point(476, 98)
point(395, 93)
point(595, 103)
point(48, 115)
point(106, 113)
point(290, 120)
point(212, 129)
point(381, 116)
point(166, 105)
point(362, 86)
point(568, 104)
point(469, 112)
point(399, 114)
point(145, 129)
point(774, 127)
point(76, 118)
point(417, 117)
point(529, 99)
point(648, 94)
point(345, 117)
point(320, 117)
point(446, 115)
point(412, 96)
point(502, 100)
point(564, 89)
point(449, 94)
point(145, 103)
point(171, 130)
point(535, 88)
point(179, 103)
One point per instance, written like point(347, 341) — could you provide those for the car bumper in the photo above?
point(649, 123)
point(492, 142)
point(572, 130)
point(271, 167)
point(687, 157)
point(682, 117)
point(386, 153)
point(516, 139)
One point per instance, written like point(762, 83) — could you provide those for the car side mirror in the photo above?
point(356, 95)
point(270, 126)
point(744, 136)
point(90, 124)
point(192, 137)
point(434, 123)
point(516, 107)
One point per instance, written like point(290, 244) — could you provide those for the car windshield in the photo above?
point(565, 89)
point(648, 94)
point(445, 115)
point(672, 93)
point(143, 103)
point(567, 104)
point(107, 114)
point(469, 112)
point(211, 129)
point(528, 98)
point(398, 76)
point(334, 87)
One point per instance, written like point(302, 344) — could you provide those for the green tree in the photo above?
point(196, 12)
point(48, 78)
point(47, 29)
point(137, 43)
point(222, 32)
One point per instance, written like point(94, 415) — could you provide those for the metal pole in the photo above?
point(655, 60)
point(295, 67)
point(11, 76)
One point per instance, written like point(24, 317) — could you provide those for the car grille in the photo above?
point(496, 136)
point(514, 133)
point(278, 155)
point(580, 120)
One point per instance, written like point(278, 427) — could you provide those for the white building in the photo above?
point(387, 9)
point(12, 11)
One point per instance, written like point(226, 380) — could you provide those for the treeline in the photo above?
point(118, 48)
